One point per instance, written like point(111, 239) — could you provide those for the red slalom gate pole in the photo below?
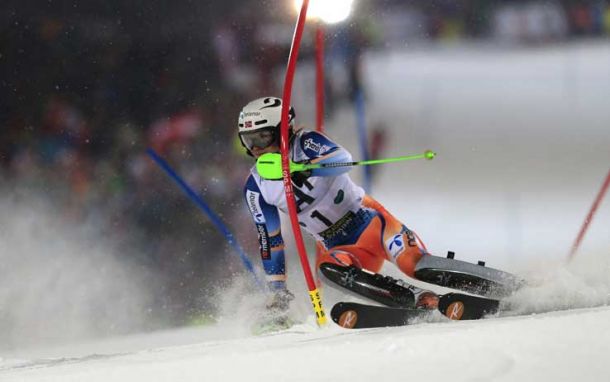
point(589, 217)
point(319, 47)
point(319, 77)
point(314, 294)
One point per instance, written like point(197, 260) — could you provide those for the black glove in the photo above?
point(299, 177)
point(279, 301)
point(276, 315)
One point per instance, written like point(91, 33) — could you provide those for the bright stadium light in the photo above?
point(329, 11)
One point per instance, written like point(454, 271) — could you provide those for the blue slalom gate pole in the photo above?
point(206, 209)
point(362, 133)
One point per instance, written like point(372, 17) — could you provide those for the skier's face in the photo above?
point(261, 141)
point(257, 152)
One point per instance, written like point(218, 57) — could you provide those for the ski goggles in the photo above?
point(261, 139)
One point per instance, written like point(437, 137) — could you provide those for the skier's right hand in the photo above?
point(299, 177)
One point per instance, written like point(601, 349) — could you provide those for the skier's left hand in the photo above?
point(299, 177)
point(279, 302)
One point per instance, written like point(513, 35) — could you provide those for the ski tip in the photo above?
point(457, 306)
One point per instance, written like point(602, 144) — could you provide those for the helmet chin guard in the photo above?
point(262, 114)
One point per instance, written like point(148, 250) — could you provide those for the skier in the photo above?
point(351, 227)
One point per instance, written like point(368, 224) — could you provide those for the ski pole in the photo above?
point(269, 165)
point(585, 225)
point(205, 208)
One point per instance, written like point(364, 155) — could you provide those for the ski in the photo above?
point(351, 315)
point(382, 289)
point(459, 306)
point(399, 298)
point(455, 306)
point(471, 278)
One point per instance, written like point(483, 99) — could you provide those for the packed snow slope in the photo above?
point(565, 346)
point(523, 143)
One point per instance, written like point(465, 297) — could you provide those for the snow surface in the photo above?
point(565, 346)
point(523, 144)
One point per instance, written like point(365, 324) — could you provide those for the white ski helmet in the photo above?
point(259, 122)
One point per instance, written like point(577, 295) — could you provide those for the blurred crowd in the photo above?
point(85, 92)
point(516, 21)
point(86, 87)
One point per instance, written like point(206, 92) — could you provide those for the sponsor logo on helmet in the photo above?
point(251, 114)
point(276, 102)
point(395, 245)
point(248, 124)
point(309, 144)
point(255, 207)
